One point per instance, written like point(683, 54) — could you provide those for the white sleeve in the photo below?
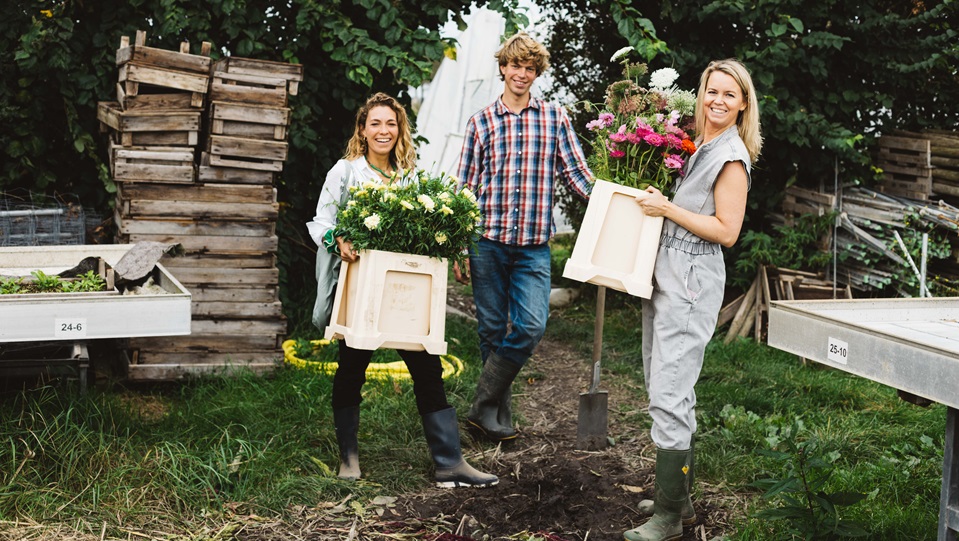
point(326, 208)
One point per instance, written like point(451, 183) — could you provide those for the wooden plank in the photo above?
point(826, 199)
point(200, 210)
point(232, 276)
point(214, 244)
point(110, 113)
point(262, 68)
point(232, 175)
point(248, 130)
point(164, 78)
point(232, 88)
point(245, 112)
point(193, 227)
point(237, 309)
point(211, 261)
point(138, 172)
point(222, 193)
point(210, 343)
point(238, 326)
point(177, 100)
point(728, 311)
point(237, 162)
point(163, 366)
point(904, 143)
point(238, 147)
point(161, 58)
point(886, 156)
point(157, 138)
point(233, 294)
point(912, 171)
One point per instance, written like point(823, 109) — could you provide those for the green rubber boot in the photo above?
point(646, 507)
point(671, 492)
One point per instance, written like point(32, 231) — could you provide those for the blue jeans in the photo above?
point(510, 284)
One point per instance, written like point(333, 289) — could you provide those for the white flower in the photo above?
point(406, 204)
point(426, 201)
point(440, 238)
point(388, 196)
point(371, 222)
point(446, 210)
point(469, 195)
point(351, 203)
point(621, 53)
point(445, 197)
point(663, 78)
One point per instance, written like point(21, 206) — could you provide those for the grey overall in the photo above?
point(689, 281)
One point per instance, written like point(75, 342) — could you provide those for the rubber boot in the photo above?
point(443, 437)
point(646, 507)
point(672, 489)
point(504, 414)
point(347, 422)
point(497, 377)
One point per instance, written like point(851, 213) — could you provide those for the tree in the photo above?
point(57, 61)
point(831, 76)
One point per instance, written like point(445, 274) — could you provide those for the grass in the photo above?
point(266, 445)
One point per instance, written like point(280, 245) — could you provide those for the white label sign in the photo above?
point(75, 327)
point(838, 351)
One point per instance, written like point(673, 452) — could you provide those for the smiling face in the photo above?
point(519, 76)
point(722, 101)
point(380, 131)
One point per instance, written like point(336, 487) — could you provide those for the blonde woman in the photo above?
point(382, 146)
point(679, 318)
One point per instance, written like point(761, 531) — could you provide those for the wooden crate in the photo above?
point(292, 73)
point(252, 89)
point(161, 72)
point(249, 121)
point(152, 164)
point(231, 175)
point(244, 153)
point(906, 166)
point(148, 127)
point(203, 202)
point(189, 226)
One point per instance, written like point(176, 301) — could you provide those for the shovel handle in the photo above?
point(598, 336)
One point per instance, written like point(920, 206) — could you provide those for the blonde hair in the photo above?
point(403, 155)
point(523, 48)
point(747, 122)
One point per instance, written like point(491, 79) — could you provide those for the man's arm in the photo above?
point(573, 159)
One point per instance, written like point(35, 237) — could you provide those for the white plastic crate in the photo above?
point(391, 300)
point(617, 243)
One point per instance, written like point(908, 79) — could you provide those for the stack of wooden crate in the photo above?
point(224, 216)
point(919, 165)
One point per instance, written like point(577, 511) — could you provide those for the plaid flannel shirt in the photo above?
point(510, 161)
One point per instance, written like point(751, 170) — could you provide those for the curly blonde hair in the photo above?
point(748, 120)
point(523, 48)
point(403, 155)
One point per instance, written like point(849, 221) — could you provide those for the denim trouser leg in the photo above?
point(510, 284)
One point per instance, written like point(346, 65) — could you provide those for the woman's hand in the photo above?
point(347, 253)
point(653, 202)
point(462, 275)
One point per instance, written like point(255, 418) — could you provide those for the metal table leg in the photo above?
point(949, 499)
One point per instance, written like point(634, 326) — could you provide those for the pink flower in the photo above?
point(674, 142)
point(642, 128)
point(634, 138)
point(617, 154)
point(594, 125)
point(654, 139)
point(607, 119)
point(673, 161)
point(619, 136)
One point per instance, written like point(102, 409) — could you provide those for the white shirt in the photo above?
point(327, 206)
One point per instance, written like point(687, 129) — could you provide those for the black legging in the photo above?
point(425, 369)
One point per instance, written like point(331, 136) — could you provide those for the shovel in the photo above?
point(592, 427)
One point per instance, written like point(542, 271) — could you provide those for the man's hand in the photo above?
point(462, 275)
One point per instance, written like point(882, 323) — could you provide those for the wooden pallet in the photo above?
point(906, 166)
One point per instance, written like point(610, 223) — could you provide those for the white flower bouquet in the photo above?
point(419, 213)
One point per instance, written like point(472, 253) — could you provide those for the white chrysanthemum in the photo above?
point(446, 210)
point(388, 196)
point(427, 202)
point(371, 222)
point(445, 197)
point(361, 193)
point(621, 53)
point(370, 185)
point(351, 203)
point(469, 195)
point(406, 204)
point(664, 78)
point(440, 238)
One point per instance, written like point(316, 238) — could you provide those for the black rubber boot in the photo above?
point(671, 492)
point(497, 377)
point(347, 422)
point(646, 507)
point(504, 414)
point(443, 437)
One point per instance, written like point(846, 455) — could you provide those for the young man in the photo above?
point(513, 151)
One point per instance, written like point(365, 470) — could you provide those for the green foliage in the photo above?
point(798, 246)
point(86, 282)
point(43, 283)
point(420, 214)
point(11, 285)
point(805, 506)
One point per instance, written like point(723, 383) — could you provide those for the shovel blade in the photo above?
point(593, 423)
